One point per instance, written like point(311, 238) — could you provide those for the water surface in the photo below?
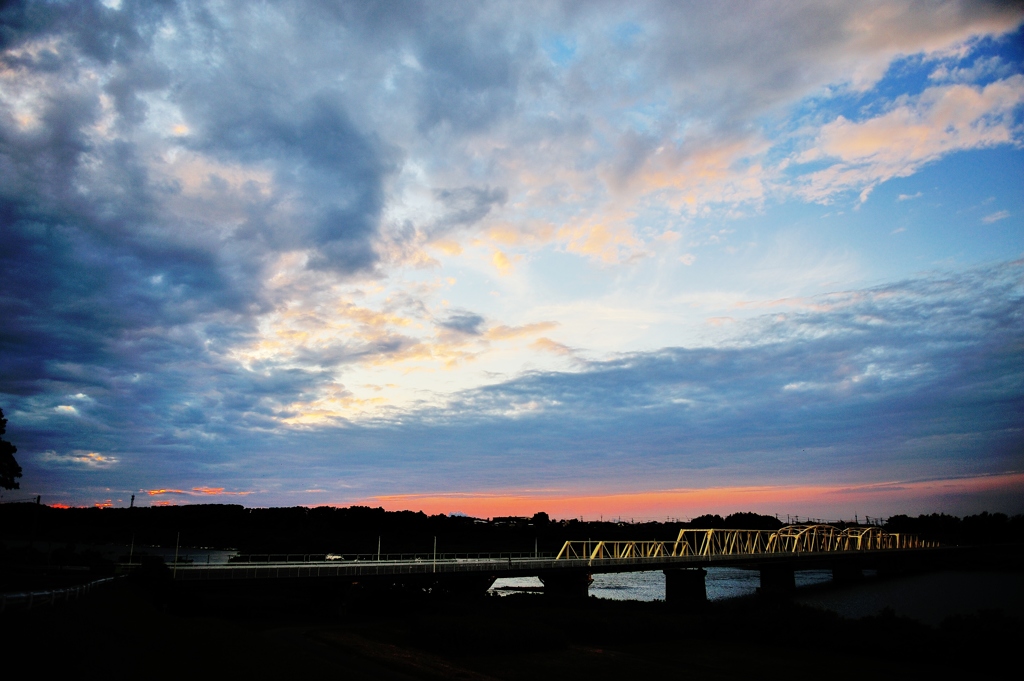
point(721, 583)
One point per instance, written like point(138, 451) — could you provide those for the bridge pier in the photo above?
point(463, 586)
point(777, 580)
point(847, 572)
point(567, 584)
point(686, 586)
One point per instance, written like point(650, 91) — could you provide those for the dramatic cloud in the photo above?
point(77, 458)
point(404, 247)
point(904, 381)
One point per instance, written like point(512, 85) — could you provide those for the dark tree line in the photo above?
point(9, 468)
point(983, 528)
point(356, 529)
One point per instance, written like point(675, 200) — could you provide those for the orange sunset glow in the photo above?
point(817, 500)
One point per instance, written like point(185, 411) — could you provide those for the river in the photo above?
point(928, 598)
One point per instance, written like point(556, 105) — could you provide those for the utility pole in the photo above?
point(378, 548)
point(177, 542)
point(435, 554)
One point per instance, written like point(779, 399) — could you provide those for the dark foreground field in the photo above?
point(133, 633)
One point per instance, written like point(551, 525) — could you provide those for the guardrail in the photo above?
point(284, 558)
point(357, 568)
point(497, 567)
point(29, 599)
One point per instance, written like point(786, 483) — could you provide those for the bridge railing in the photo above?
point(733, 542)
point(51, 597)
point(591, 550)
point(300, 558)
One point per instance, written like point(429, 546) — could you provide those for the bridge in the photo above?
point(791, 539)
point(777, 554)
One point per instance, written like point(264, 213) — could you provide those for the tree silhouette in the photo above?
point(9, 468)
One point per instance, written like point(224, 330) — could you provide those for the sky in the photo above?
point(599, 259)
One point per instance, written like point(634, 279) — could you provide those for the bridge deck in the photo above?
point(514, 567)
point(794, 546)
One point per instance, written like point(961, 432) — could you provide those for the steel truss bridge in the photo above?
point(777, 554)
point(791, 539)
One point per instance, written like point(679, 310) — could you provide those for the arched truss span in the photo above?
point(722, 542)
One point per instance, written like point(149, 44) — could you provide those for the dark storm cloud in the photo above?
point(319, 155)
point(471, 78)
point(97, 273)
point(463, 322)
point(120, 313)
point(466, 206)
point(348, 353)
point(109, 294)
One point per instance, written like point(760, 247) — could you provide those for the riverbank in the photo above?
point(516, 637)
point(929, 598)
